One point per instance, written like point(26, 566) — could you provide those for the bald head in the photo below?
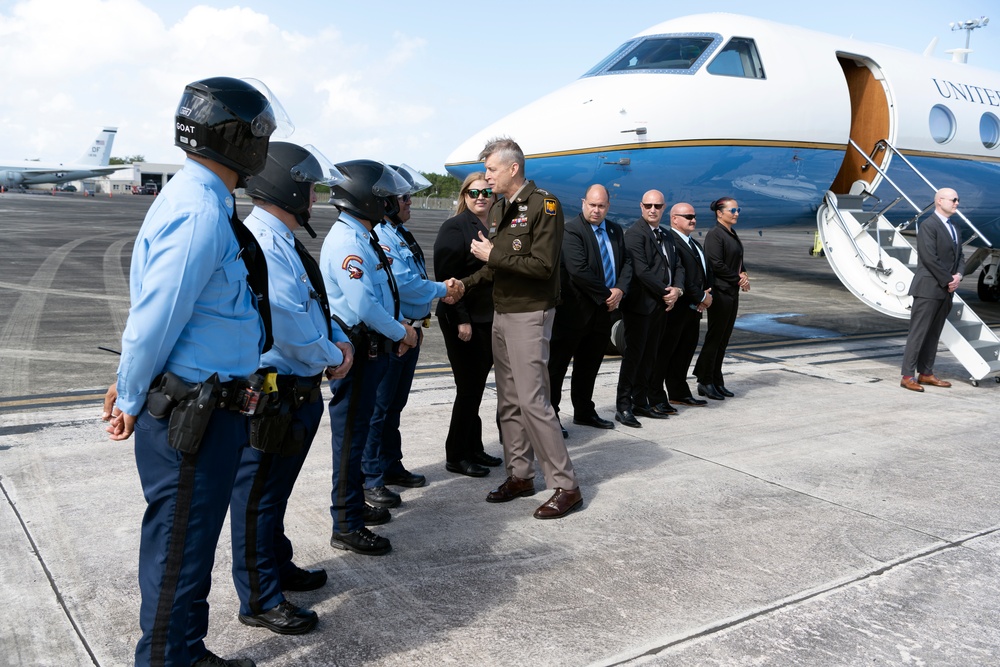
point(595, 204)
point(652, 207)
point(682, 218)
point(946, 202)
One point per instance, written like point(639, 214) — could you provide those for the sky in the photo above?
point(400, 82)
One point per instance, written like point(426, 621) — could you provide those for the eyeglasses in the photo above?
point(404, 198)
point(649, 206)
point(686, 216)
point(734, 211)
point(485, 192)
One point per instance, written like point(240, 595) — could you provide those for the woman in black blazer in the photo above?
point(467, 327)
point(724, 252)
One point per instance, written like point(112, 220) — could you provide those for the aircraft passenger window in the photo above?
point(989, 130)
point(678, 54)
point(942, 123)
point(738, 58)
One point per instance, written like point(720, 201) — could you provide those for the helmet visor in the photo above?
point(273, 121)
point(316, 168)
point(417, 180)
point(390, 184)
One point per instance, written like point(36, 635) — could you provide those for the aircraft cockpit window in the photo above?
point(738, 58)
point(674, 54)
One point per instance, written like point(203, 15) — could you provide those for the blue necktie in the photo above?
point(609, 267)
point(952, 231)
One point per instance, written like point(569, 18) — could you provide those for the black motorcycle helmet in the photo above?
point(288, 177)
point(229, 121)
point(415, 180)
point(369, 191)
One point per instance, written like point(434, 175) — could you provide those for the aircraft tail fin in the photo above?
point(99, 153)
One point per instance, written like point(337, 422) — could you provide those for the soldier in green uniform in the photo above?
point(522, 263)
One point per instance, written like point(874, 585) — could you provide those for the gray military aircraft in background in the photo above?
point(94, 162)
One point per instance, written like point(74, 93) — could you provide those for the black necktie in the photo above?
point(318, 286)
point(256, 265)
point(414, 247)
point(373, 239)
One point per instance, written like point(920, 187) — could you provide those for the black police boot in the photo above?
point(382, 497)
point(297, 579)
point(285, 619)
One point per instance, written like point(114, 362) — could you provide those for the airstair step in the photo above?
point(969, 330)
point(901, 254)
point(989, 349)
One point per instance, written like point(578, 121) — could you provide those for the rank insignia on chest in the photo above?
point(522, 207)
point(516, 244)
point(550, 207)
point(352, 264)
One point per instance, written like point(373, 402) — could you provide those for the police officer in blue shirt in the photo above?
point(192, 342)
point(305, 345)
point(382, 461)
point(364, 300)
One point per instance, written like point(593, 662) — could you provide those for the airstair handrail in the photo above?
point(831, 199)
point(885, 144)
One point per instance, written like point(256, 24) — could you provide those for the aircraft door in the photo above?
point(871, 122)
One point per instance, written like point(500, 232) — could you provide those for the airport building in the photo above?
point(136, 178)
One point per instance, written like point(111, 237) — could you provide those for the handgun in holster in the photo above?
point(269, 428)
point(188, 407)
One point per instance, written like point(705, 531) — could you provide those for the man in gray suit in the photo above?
point(940, 265)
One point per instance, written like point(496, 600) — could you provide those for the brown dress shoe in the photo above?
point(910, 383)
point(512, 487)
point(560, 504)
point(933, 381)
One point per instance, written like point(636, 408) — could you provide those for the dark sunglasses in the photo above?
point(649, 206)
point(404, 198)
point(485, 192)
point(953, 201)
point(686, 216)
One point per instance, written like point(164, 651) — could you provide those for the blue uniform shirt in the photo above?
point(192, 311)
point(298, 324)
point(356, 282)
point(415, 291)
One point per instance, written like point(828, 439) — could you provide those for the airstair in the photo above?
point(876, 263)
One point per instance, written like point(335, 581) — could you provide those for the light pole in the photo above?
point(968, 27)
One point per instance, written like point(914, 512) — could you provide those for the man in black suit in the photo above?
point(680, 335)
point(657, 277)
point(940, 264)
point(595, 275)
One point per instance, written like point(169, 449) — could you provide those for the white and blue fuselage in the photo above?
point(716, 105)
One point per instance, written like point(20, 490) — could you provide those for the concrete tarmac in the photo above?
point(823, 516)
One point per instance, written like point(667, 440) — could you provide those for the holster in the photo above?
point(188, 406)
point(276, 431)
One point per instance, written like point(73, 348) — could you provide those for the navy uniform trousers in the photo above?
point(350, 414)
point(384, 448)
point(187, 498)
point(261, 551)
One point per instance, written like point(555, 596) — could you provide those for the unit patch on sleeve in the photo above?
point(550, 207)
point(352, 264)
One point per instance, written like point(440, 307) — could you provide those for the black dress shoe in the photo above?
point(285, 619)
point(484, 459)
point(406, 478)
point(375, 516)
point(647, 411)
point(595, 421)
point(467, 468)
point(665, 409)
point(725, 392)
point(626, 418)
point(691, 402)
point(362, 541)
point(382, 497)
point(709, 391)
point(212, 660)
point(297, 579)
